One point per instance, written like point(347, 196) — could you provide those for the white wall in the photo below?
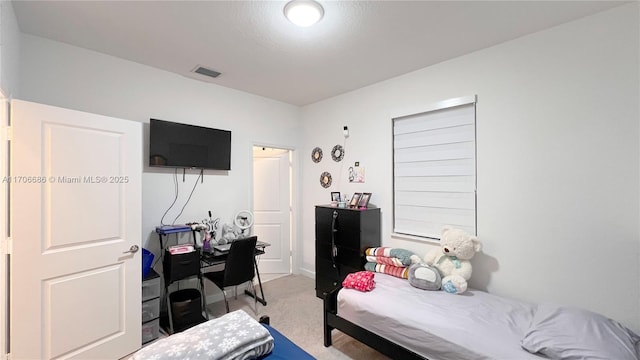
point(9, 50)
point(558, 160)
point(66, 76)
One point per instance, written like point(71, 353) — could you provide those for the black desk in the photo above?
point(213, 258)
point(218, 258)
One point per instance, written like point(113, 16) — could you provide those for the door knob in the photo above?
point(133, 249)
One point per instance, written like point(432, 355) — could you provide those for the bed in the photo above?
point(405, 322)
point(235, 335)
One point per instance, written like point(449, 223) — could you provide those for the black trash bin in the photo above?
point(186, 308)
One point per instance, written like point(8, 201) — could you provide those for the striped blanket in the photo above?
point(397, 271)
point(391, 261)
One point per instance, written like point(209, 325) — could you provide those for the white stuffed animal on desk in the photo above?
point(229, 233)
point(457, 247)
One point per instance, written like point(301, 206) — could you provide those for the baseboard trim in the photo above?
point(307, 273)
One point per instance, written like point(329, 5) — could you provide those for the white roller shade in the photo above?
point(434, 170)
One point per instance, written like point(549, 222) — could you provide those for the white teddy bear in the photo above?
point(457, 247)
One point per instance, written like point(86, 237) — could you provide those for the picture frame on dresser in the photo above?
point(363, 203)
point(354, 200)
point(335, 196)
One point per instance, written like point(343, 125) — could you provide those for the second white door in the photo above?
point(272, 204)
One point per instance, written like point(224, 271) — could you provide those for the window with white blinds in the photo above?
point(434, 169)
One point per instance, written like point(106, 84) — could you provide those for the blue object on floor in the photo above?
point(147, 261)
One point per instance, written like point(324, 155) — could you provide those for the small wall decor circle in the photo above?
point(325, 179)
point(316, 155)
point(337, 153)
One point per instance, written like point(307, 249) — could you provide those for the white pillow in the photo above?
point(562, 332)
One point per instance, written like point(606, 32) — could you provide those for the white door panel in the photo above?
point(76, 211)
point(4, 226)
point(271, 203)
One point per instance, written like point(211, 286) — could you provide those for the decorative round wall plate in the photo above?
point(316, 155)
point(325, 179)
point(337, 153)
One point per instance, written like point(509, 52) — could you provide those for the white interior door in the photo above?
point(271, 208)
point(75, 213)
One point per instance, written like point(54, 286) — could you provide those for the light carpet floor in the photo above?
point(296, 312)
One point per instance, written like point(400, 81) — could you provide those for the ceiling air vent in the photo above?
point(206, 72)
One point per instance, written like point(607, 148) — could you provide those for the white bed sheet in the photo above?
point(439, 325)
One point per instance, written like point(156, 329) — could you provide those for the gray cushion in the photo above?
point(562, 332)
point(424, 277)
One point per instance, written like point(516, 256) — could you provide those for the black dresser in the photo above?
point(342, 235)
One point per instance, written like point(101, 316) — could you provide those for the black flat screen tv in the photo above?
point(178, 145)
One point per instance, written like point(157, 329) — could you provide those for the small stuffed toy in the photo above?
point(425, 277)
point(229, 233)
point(452, 258)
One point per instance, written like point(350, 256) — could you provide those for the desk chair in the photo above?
point(238, 269)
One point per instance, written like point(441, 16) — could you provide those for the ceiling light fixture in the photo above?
point(303, 12)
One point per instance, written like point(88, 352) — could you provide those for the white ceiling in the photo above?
point(257, 50)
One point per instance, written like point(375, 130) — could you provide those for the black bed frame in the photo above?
point(331, 321)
